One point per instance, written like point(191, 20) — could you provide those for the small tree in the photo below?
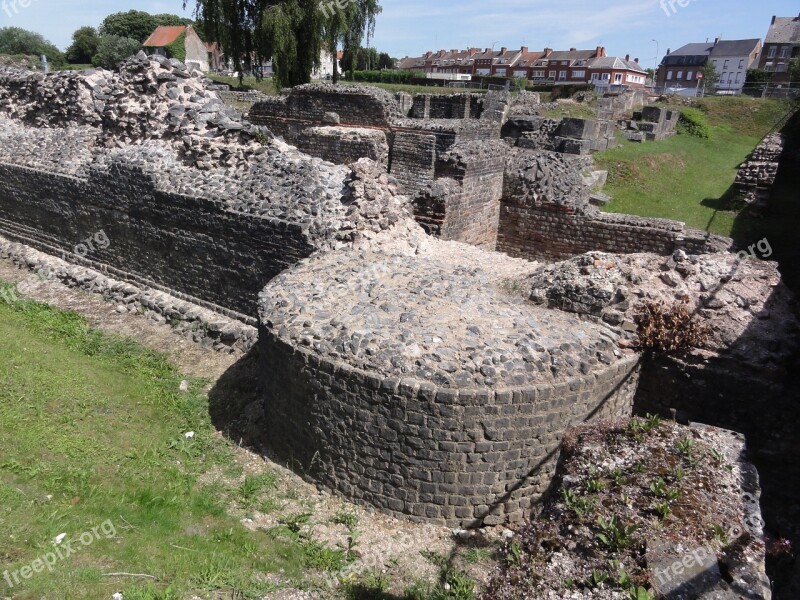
point(710, 77)
point(84, 46)
point(113, 49)
point(14, 40)
point(794, 70)
point(385, 61)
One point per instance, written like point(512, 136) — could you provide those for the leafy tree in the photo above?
point(365, 59)
point(14, 40)
point(134, 24)
point(84, 46)
point(113, 49)
point(710, 77)
point(345, 26)
point(756, 76)
point(385, 61)
point(290, 32)
point(794, 70)
point(137, 24)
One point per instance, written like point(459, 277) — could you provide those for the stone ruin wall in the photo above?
point(166, 240)
point(756, 176)
point(485, 201)
point(196, 217)
point(456, 457)
point(197, 201)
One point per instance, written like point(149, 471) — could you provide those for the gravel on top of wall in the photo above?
point(433, 315)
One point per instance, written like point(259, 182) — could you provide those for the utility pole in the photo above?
point(655, 65)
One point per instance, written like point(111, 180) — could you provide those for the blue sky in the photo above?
point(413, 26)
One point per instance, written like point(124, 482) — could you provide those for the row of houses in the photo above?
point(680, 70)
point(548, 66)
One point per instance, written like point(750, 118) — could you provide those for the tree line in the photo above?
point(290, 33)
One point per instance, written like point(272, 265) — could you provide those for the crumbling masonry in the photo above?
point(406, 363)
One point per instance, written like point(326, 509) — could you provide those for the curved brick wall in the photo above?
point(415, 379)
point(459, 457)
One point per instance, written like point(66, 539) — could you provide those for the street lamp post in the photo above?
point(655, 65)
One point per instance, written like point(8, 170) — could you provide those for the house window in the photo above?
point(689, 75)
point(738, 77)
point(501, 72)
point(562, 74)
point(741, 64)
point(773, 50)
point(722, 77)
point(680, 75)
point(725, 65)
point(538, 74)
point(552, 74)
point(785, 52)
point(618, 78)
point(519, 73)
point(769, 66)
point(578, 74)
point(669, 75)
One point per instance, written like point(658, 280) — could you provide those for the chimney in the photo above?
point(716, 41)
point(487, 51)
point(627, 57)
point(573, 49)
point(547, 52)
point(600, 51)
point(669, 51)
point(428, 54)
point(524, 49)
point(773, 19)
point(503, 51)
point(636, 60)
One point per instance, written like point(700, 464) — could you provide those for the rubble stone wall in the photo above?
point(344, 145)
point(756, 176)
point(556, 233)
point(447, 106)
point(355, 105)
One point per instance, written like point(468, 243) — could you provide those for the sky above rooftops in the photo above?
point(411, 27)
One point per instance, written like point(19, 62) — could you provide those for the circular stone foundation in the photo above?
point(424, 384)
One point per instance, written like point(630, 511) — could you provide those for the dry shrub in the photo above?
point(669, 330)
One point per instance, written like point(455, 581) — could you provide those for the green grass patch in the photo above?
point(92, 431)
point(686, 177)
point(264, 85)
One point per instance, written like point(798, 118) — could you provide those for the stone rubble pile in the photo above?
point(546, 178)
point(742, 301)
point(150, 98)
point(157, 118)
point(431, 314)
point(528, 104)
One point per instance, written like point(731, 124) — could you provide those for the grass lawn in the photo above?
point(92, 431)
point(265, 85)
point(687, 178)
